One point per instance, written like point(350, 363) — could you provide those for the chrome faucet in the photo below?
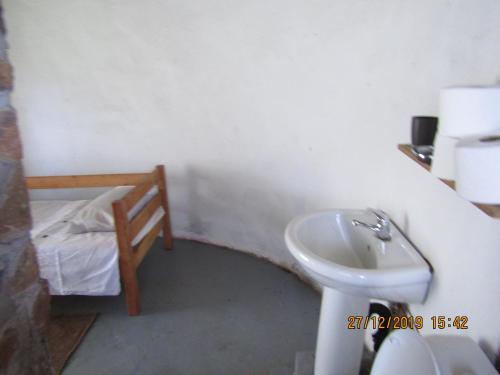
point(383, 227)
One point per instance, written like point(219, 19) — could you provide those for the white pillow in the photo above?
point(97, 215)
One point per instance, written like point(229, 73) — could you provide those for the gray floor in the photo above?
point(205, 310)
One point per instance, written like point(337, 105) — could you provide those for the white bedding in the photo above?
point(85, 264)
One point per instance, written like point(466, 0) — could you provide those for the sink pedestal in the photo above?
point(339, 350)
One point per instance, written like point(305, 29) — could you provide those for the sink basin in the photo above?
point(353, 265)
point(353, 260)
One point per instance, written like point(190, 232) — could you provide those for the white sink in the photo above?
point(352, 260)
point(353, 265)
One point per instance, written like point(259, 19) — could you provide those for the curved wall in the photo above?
point(263, 110)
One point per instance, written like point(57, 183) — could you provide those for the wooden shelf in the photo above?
point(492, 210)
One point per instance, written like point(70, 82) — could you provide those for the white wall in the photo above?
point(262, 110)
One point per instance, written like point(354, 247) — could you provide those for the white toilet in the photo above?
point(407, 352)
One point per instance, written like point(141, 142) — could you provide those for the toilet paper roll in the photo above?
point(443, 160)
point(467, 111)
point(477, 161)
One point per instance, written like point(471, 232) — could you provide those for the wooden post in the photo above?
point(162, 187)
point(127, 267)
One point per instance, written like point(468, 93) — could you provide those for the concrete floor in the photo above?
point(205, 310)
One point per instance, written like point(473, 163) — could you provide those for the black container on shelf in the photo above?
point(423, 130)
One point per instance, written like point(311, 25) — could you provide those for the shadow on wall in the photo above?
point(490, 352)
point(235, 209)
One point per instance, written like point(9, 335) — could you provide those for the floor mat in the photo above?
point(65, 335)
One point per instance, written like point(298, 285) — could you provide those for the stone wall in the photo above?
point(24, 300)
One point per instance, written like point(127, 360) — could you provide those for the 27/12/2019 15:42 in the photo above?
point(405, 322)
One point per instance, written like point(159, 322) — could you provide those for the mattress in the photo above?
point(84, 264)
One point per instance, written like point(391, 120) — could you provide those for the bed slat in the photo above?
point(138, 222)
point(142, 248)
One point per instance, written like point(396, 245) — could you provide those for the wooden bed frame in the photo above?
point(130, 257)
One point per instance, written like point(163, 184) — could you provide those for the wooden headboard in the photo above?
point(86, 181)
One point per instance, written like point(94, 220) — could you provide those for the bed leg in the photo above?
point(132, 295)
point(162, 186)
point(128, 274)
point(167, 238)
